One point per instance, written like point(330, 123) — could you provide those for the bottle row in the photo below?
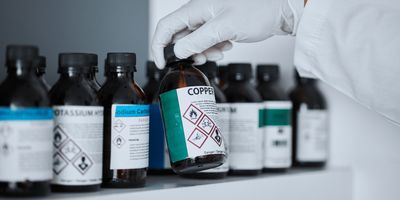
point(79, 135)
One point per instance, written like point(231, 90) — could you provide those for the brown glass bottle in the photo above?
point(78, 127)
point(245, 132)
point(181, 84)
point(159, 163)
point(120, 95)
point(309, 110)
point(276, 121)
point(209, 69)
point(23, 99)
point(40, 66)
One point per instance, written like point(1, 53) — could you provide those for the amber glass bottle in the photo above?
point(310, 124)
point(276, 122)
point(189, 116)
point(78, 120)
point(210, 70)
point(26, 127)
point(245, 152)
point(126, 124)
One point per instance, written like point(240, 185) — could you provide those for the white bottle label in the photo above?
point(78, 142)
point(277, 134)
point(245, 136)
point(190, 123)
point(223, 122)
point(25, 144)
point(130, 136)
point(312, 135)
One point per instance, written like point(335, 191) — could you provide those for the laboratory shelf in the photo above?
point(331, 183)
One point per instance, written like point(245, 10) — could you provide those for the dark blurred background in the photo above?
point(93, 26)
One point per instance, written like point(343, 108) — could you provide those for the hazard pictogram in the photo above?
point(197, 138)
point(216, 136)
point(193, 114)
point(206, 124)
point(5, 131)
point(59, 163)
point(119, 141)
point(5, 149)
point(119, 126)
point(83, 163)
point(59, 136)
point(70, 150)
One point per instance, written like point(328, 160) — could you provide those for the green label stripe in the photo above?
point(277, 117)
point(173, 126)
point(261, 118)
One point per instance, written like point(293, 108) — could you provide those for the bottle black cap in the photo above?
point(79, 62)
point(267, 73)
point(170, 57)
point(20, 53)
point(120, 62)
point(209, 69)
point(239, 71)
point(94, 61)
point(40, 64)
point(301, 80)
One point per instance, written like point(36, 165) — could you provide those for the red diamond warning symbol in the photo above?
point(206, 124)
point(216, 136)
point(197, 138)
point(193, 114)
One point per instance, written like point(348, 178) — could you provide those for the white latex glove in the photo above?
point(205, 28)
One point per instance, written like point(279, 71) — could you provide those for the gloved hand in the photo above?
point(205, 28)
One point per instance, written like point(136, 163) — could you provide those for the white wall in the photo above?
point(359, 137)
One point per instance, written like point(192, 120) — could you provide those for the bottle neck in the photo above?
point(74, 75)
point(180, 65)
point(262, 82)
point(305, 82)
point(128, 76)
point(20, 70)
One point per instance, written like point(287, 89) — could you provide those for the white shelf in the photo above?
point(333, 183)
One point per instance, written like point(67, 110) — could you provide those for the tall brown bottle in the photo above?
point(189, 116)
point(310, 124)
point(126, 124)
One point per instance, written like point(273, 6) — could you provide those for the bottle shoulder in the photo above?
point(271, 92)
point(241, 92)
point(23, 92)
point(309, 95)
point(121, 93)
point(73, 92)
point(187, 77)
